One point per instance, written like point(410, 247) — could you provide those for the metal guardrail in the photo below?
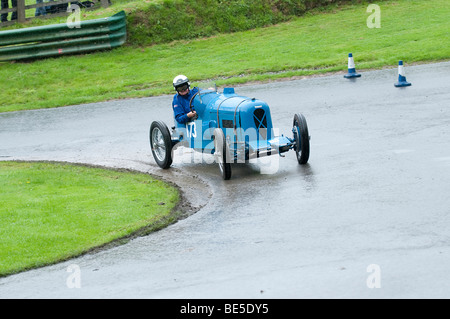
point(60, 39)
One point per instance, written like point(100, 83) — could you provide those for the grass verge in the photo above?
point(318, 42)
point(53, 211)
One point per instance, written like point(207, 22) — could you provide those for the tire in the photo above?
point(301, 137)
point(161, 144)
point(222, 153)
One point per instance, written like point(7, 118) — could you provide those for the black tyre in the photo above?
point(301, 136)
point(161, 144)
point(222, 153)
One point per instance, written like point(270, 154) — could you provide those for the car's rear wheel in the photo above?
point(222, 153)
point(161, 144)
point(301, 136)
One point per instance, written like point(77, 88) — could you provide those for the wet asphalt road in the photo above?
point(372, 207)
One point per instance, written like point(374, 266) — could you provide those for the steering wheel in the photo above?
point(191, 106)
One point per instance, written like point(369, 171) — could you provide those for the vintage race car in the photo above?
point(232, 128)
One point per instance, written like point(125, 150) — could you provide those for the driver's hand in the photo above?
point(192, 114)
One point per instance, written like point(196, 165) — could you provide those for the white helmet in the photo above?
point(180, 80)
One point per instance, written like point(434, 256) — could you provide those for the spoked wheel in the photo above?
point(301, 137)
point(222, 153)
point(161, 144)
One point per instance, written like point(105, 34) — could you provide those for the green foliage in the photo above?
point(169, 20)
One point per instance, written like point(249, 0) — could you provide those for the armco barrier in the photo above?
point(60, 39)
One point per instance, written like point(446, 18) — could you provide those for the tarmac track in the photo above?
point(367, 217)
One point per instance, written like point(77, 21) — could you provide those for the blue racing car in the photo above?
point(232, 128)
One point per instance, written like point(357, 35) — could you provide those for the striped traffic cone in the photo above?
point(351, 68)
point(401, 76)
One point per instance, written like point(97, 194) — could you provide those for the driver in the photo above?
point(180, 104)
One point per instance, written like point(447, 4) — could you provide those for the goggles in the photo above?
point(182, 87)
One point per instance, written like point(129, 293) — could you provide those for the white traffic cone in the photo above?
point(351, 68)
point(401, 76)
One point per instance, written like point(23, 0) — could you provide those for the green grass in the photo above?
point(50, 212)
point(318, 42)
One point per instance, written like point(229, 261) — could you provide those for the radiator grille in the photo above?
point(259, 116)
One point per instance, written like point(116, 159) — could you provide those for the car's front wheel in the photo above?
point(161, 144)
point(301, 136)
point(222, 153)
